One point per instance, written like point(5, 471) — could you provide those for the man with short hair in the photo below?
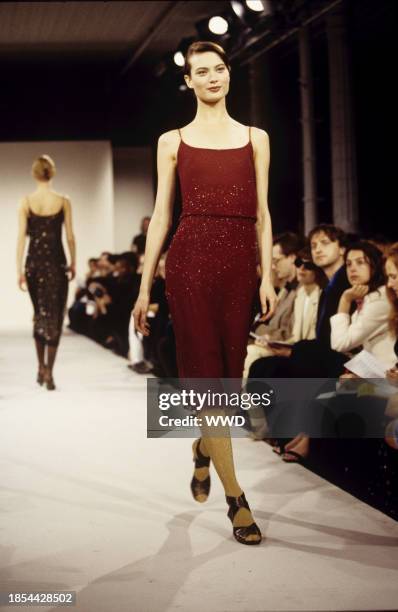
point(284, 253)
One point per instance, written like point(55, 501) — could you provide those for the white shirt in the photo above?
point(367, 327)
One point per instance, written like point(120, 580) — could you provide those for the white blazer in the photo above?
point(304, 324)
point(367, 328)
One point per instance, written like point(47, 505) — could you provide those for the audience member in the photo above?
point(367, 327)
point(139, 241)
point(284, 254)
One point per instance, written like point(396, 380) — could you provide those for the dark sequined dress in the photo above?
point(45, 271)
point(211, 277)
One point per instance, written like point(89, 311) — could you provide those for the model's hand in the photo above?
point(356, 292)
point(71, 270)
point(267, 299)
point(22, 282)
point(140, 313)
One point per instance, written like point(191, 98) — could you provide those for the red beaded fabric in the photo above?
point(211, 278)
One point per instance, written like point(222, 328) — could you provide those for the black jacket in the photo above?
point(315, 358)
point(328, 304)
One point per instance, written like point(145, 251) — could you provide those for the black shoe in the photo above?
point(200, 488)
point(140, 367)
point(40, 376)
point(48, 379)
point(241, 533)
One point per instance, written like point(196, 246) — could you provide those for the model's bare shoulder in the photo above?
point(24, 204)
point(169, 141)
point(259, 136)
point(260, 141)
point(66, 201)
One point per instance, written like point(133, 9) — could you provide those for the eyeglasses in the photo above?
point(308, 265)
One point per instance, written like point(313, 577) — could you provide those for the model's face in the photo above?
point(282, 264)
point(392, 275)
point(325, 252)
point(358, 268)
point(209, 76)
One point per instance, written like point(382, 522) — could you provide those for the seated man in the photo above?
point(284, 253)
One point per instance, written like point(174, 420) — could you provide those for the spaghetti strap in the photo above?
point(179, 132)
point(250, 133)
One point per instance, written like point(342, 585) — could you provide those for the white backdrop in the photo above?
point(134, 198)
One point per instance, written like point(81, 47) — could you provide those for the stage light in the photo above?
point(238, 8)
point(255, 5)
point(215, 28)
point(179, 59)
point(251, 13)
point(218, 25)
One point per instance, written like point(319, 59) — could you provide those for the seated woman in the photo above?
point(367, 326)
point(362, 321)
point(391, 267)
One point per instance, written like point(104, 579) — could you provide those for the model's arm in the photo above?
point(159, 225)
point(22, 222)
point(70, 237)
point(264, 227)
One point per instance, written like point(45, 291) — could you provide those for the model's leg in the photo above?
point(40, 346)
point(219, 449)
point(40, 351)
point(32, 284)
point(216, 440)
point(51, 354)
point(234, 327)
point(205, 363)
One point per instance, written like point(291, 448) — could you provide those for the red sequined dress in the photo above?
point(211, 277)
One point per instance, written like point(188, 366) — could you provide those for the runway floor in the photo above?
point(89, 504)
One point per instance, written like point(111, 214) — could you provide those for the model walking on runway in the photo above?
point(211, 277)
point(41, 216)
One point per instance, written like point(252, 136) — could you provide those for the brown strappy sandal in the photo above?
point(200, 488)
point(242, 532)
